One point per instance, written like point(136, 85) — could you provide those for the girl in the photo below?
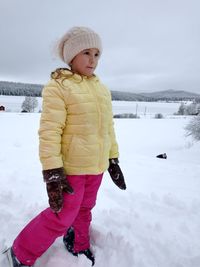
point(77, 144)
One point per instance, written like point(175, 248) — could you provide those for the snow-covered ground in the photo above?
point(144, 109)
point(13, 104)
point(154, 223)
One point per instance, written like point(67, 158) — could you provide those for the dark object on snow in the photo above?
point(116, 173)
point(2, 108)
point(162, 156)
point(68, 241)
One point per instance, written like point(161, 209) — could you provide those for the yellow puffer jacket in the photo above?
point(76, 126)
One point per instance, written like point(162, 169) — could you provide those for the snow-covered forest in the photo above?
point(27, 89)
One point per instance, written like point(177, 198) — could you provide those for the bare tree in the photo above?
point(193, 128)
point(191, 109)
point(29, 104)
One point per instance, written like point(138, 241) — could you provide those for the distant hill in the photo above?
point(167, 95)
point(26, 89)
point(171, 94)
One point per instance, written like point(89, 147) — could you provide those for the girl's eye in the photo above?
point(88, 53)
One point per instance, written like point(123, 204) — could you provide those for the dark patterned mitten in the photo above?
point(56, 184)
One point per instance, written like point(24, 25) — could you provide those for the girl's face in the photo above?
point(85, 62)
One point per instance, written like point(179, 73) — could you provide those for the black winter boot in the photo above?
point(88, 253)
point(68, 240)
point(13, 261)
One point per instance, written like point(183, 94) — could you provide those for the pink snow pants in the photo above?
point(41, 232)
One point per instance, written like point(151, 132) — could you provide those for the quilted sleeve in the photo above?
point(52, 123)
point(114, 153)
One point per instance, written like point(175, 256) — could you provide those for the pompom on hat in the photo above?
point(76, 40)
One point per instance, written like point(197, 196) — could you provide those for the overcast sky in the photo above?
point(149, 45)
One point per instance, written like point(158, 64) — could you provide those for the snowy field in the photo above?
point(154, 223)
point(145, 109)
point(13, 104)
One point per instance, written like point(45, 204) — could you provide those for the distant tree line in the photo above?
point(25, 89)
point(127, 96)
point(20, 89)
point(166, 97)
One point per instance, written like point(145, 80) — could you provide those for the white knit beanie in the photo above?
point(76, 40)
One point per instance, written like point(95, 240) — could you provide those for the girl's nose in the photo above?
point(92, 59)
